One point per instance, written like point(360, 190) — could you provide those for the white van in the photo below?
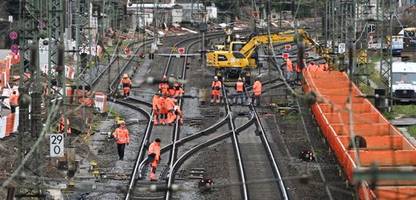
point(404, 81)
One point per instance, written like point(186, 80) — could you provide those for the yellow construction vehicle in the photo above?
point(236, 59)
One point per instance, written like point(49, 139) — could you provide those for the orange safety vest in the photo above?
point(172, 91)
point(239, 86)
point(166, 104)
point(155, 102)
point(289, 65)
point(298, 69)
point(61, 127)
point(179, 92)
point(216, 85)
point(121, 135)
point(14, 100)
point(126, 82)
point(257, 88)
point(164, 88)
point(154, 148)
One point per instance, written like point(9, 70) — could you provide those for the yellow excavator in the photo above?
point(236, 58)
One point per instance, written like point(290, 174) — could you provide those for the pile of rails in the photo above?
point(378, 141)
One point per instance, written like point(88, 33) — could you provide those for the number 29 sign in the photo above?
point(56, 142)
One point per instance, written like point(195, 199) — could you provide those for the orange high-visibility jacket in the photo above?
point(239, 86)
point(289, 65)
point(122, 135)
point(62, 125)
point(166, 104)
point(155, 102)
point(216, 85)
point(14, 100)
point(126, 82)
point(164, 88)
point(257, 88)
point(154, 148)
point(298, 69)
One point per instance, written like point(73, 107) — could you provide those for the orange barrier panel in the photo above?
point(384, 144)
point(386, 157)
point(364, 129)
point(359, 118)
point(401, 192)
point(378, 142)
point(357, 108)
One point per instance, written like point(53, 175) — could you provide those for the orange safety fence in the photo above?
point(9, 124)
point(383, 144)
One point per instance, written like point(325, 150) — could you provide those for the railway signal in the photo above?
point(181, 50)
point(285, 55)
point(13, 35)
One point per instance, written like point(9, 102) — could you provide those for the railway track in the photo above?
point(210, 135)
point(139, 169)
point(173, 163)
point(101, 83)
point(254, 156)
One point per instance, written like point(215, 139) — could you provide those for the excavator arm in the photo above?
point(321, 50)
point(284, 37)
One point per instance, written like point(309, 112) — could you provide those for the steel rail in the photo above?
point(138, 167)
point(144, 143)
point(176, 130)
point(236, 146)
point(268, 149)
point(182, 141)
point(95, 81)
point(210, 142)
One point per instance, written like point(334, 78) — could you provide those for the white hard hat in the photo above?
point(216, 77)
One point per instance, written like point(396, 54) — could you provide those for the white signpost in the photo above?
point(341, 48)
point(56, 144)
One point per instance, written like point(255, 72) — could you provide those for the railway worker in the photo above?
point(61, 126)
point(121, 134)
point(289, 69)
point(14, 101)
point(153, 49)
point(156, 108)
point(216, 90)
point(126, 84)
point(179, 114)
point(153, 155)
point(298, 70)
point(176, 113)
point(172, 90)
point(127, 52)
point(166, 105)
point(178, 90)
point(164, 86)
point(239, 89)
point(257, 87)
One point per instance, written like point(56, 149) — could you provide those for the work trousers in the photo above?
point(13, 109)
point(289, 75)
point(256, 100)
point(240, 95)
point(120, 149)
